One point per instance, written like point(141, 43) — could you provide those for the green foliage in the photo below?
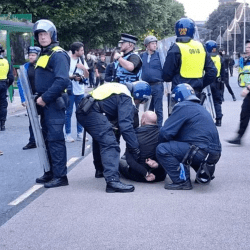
point(223, 14)
point(100, 22)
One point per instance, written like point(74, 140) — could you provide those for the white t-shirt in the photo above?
point(78, 89)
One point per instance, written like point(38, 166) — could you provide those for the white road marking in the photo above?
point(36, 187)
point(25, 195)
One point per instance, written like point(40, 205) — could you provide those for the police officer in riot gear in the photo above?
point(116, 102)
point(187, 59)
point(217, 85)
point(6, 79)
point(52, 78)
point(188, 139)
point(127, 64)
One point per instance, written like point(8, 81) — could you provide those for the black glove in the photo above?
point(135, 152)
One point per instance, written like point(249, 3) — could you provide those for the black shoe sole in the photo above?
point(111, 190)
point(29, 148)
point(178, 188)
point(59, 185)
point(42, 182)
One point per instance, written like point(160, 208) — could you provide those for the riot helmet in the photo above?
point(1, 48)
point(210, 45)
point(184, 92)
point(185, 27)
point(150, 39)
point(141, 91)
point(34, 49)
point(44, 25)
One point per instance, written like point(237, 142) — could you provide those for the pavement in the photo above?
point(83, 216)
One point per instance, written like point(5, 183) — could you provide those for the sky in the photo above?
point(199, 10)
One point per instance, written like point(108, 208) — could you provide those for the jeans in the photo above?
point(72, 99)
point(91, 78)
point(217, 99)
point(156, 104)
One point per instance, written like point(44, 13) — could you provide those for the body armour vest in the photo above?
point(4, 68)
point(108, 89)
point(217, 63)
point(244, 76)
point(44, 60)
point(193, 56)
point(125, 76)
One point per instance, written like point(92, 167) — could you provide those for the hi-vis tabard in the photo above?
point(217, 63)
point(4, 68)
point(244, 76)
point(193, 57)
point(108, 89)
point(43, 60)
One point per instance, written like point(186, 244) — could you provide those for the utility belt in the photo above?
point(86, 104)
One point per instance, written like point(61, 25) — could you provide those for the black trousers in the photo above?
point(3, 100)
point(244, 115)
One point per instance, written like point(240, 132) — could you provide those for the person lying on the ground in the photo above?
point(146, 168)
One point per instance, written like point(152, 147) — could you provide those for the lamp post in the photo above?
point(220, 35)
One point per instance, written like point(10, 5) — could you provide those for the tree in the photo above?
point(100, 22)
point(223, 14)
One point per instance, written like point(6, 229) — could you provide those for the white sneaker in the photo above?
point(68, 138)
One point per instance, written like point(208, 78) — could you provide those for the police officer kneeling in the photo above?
point(188, 138)
point(112, 102)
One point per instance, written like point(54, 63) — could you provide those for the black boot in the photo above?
point(57, 182)
point(2, 125)
point(117, 186)
point(218, 122)
point(98, 173)
point(30, 145)
point(48, 176)
point(179, 186)
point(234, 98)
point(236, 141)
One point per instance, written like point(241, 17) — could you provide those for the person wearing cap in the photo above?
point(128, 64)
point(188, 139)
point(153, 74)
point(112, 105)
point(33, 53)
point(52, 78)
point(187, 59)
point(6, 79)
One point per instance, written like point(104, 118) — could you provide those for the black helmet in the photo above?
point(210, 46)
point(150, 39)
point(34, 49)
point(185, 27)
point(44, 25)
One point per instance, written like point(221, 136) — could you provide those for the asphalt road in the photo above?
point(83, 216)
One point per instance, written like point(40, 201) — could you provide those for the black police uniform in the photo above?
point(189, 124)
point(106, 150)
point(217, 88)
point(50, 83)
point(5, 82)
point(172, 66)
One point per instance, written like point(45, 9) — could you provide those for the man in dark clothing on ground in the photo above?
point(6, 79)
point(115, 101)
point(52, 78)
point(187, 60)
point(127, 64)
point(153, 74)
point(146, 169)
point(188, 137)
